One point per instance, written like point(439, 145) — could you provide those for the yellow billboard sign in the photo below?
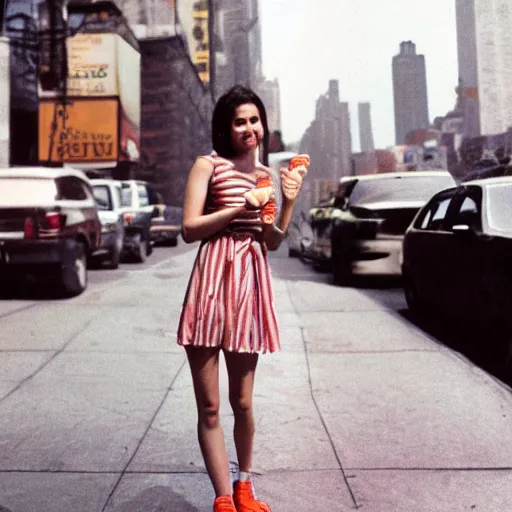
point(201, 55)
point(81, 131)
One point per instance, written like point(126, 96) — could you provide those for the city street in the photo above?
point(362, 409)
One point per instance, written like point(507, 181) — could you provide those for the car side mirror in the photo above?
point(341, 203)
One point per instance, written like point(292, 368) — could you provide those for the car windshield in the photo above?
point(414, 188)
point(102, 196)
point(16, 192)
point(499, 210)
point(126, 195)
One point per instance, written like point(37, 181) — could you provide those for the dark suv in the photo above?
point(138, 200)
point(49, 226)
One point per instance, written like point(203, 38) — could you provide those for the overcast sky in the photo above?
point(306, 43)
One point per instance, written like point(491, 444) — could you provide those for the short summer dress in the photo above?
point(229, 300)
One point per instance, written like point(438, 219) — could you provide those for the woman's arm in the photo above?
point(196, 225)
point(275, 233)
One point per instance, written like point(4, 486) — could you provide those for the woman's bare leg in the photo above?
point(241, 371)
point(204, 365)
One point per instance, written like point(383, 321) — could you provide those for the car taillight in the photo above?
point(127, 217)
point(51, 225)
point(53, 220)
point(29, 228)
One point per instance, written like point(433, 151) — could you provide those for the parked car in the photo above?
point(138, 199)
point(49, 226)
point(107, 193)
point(316, 244)
point(456, 254)
point(166, 225)
point(369, 217)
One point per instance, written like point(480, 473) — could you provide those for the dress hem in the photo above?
point(220, 347)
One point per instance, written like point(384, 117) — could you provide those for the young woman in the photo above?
point(229, 305)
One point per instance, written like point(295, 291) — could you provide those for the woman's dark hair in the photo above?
point(223, 115)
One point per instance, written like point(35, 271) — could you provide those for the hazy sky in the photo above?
point(306, 43)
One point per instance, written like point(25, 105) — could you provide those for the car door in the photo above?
point(428, 250)
point(464, 259)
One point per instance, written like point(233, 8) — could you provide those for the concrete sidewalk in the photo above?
point(359, 410)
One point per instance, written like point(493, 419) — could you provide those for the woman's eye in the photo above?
point(239, 122)
point(254, 119)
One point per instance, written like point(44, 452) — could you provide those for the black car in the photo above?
point(457, 254)
point(138, 200)
point(166, 225)
point(369, 217)
point(49, 227)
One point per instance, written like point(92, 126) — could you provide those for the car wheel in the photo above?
point(416, 305)
point(342, 272)
point(149, 247)
point(140, 251)
point(293, 253)
point(171, 242)
point(115, 256)
point(7, 289)
point(341, 267)
point(73, 279)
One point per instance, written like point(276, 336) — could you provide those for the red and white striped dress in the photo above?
point(229, 301)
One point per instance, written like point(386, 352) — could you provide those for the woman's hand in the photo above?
point(291, 182)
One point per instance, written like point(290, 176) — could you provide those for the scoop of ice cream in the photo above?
point(299, 164)
point(258, 197)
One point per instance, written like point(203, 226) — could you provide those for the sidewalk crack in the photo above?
point(141, 440)
point(324, 424)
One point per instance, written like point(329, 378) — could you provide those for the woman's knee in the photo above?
point(209, 414)
point(241, 405)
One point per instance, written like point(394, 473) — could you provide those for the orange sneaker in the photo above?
point(244, 498)
point(224, 504)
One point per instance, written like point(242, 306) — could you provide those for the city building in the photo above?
point(365, 128)
point(410, 91)
point(269, 92)
point(328, 141)
point(239, 35)
point(484, 56)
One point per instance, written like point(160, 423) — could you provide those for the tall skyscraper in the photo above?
point(238, 53)
point(269, 92)
point(484, 41)
point(410, 91)
point(365, 128)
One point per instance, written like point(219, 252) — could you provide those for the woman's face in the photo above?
point(246, 128)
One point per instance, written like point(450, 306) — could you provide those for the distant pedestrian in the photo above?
point(229, 304)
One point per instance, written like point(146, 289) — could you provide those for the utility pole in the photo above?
point(212, 13)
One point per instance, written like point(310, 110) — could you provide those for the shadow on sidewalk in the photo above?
point(485, 348)
point(155, 499)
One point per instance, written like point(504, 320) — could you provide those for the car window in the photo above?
point(433, 217)
point(102, 196)
point(410, 188)
point(499, 207)
point(468, 213)
point(343, 192)
point(71, 188)
point(126, 195)
point(27, 191)
point(143, 195)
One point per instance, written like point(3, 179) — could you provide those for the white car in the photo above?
point(49, 227)
point(107, 193)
